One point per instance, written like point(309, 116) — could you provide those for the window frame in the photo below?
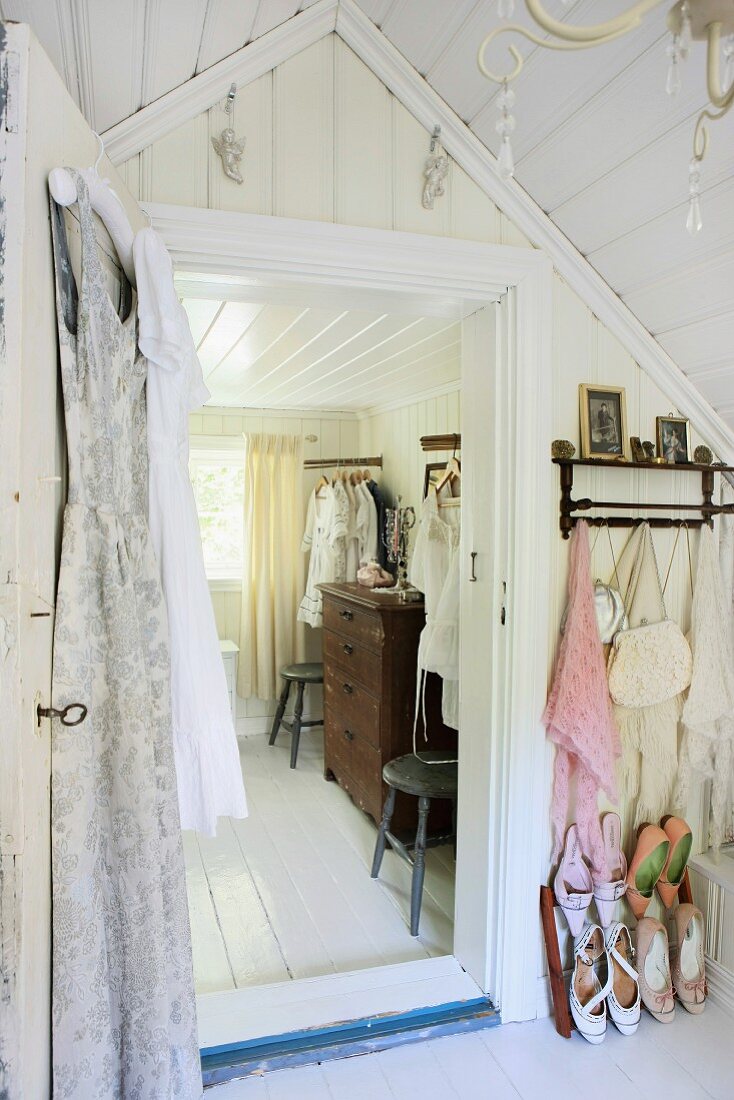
point(226, 450)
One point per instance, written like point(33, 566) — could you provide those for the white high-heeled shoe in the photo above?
point(608, 892)
point(587, 995)
point(573, 886)
point(623, 1002)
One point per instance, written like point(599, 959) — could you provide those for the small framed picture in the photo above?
point(603, 412)
point(674, 438)
point(434, 473)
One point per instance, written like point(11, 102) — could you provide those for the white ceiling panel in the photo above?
point(227, 26)
point(275, 356)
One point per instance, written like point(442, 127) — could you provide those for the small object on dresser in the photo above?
point(649, 448)
point(703, 455)
point(373, 575)
point(562, 448)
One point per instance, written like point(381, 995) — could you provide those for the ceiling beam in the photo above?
point(197, 95)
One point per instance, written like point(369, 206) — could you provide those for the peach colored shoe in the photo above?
point(608, 892)
point(573, 886)
point(680, 836)
point(646, 867)
point(653, 970)
point(689, 972)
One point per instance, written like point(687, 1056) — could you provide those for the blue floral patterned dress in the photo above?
point(124, 1016)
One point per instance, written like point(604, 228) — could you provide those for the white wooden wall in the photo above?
point(51, 132)
point(327, 141)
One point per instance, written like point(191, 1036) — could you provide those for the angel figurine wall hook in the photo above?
point(435, 171)
point(230, 150)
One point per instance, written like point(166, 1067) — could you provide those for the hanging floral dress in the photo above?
point(124, 1017)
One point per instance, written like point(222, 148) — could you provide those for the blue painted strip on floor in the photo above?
point(344, 1040)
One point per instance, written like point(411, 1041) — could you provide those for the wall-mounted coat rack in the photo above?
point(706, 509)
point(334, 463)
point(449, 442)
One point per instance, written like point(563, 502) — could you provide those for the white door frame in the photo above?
point(496, 928)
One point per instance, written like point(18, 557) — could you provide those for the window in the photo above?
point(217, 468)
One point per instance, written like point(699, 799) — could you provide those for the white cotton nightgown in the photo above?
point(208, 769)
point(434, 570)
point(324, 537)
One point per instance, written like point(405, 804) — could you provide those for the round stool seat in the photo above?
point(413, 776)
point(308, 673)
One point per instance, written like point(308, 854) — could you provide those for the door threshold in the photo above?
point(347, 1039)
point(240, 1018)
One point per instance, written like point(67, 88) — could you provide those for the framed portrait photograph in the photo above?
point(674, 438)
point(603, 413)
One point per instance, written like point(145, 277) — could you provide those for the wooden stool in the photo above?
point(423, 781)
point(301, 675)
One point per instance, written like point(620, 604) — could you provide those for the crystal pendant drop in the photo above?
point(505, 160)
point(506, 9)
point(673, 82)
point(694, 221)
point(685, 39)
point(504, 126)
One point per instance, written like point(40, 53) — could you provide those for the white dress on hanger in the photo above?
point(434, 570)
point(325, 525)
point(208, 769)
point(367, 524)
point(352, 533)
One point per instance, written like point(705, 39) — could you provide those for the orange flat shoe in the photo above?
point(680, 836)
point(646, 867)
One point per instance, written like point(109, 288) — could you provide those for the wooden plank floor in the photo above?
point(287, 892)
point(690, 1059)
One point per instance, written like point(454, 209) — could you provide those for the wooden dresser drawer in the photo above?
point(349, 704)
point(355, 624)
point(347, 752)
point(360, 664)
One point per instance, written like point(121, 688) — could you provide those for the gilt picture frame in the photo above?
point(674, 439)
point(603, 416)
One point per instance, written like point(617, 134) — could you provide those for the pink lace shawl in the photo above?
point(579, 717)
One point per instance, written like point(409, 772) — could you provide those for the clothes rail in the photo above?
point(332, 463)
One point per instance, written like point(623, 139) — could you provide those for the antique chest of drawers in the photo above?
point(370, 657)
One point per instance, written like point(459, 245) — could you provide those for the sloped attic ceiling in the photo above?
point(599, 145)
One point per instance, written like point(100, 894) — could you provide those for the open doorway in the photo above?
point(501, 298)
point(286, 893)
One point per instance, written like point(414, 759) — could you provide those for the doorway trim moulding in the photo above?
point(498, 933)
point(345, 18)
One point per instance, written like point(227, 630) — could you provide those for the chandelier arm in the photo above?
point(596, 34)
point(720, 99)
point(515, 28)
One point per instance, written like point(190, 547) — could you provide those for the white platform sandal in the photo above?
point(623, 1002)
point(587, 994)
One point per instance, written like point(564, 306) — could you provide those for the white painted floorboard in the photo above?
point(287, 893)
point(690, 1059)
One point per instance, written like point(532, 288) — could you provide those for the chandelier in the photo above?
point(710, 21)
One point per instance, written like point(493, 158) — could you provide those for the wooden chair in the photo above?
point(310, 673)
point(424, 781)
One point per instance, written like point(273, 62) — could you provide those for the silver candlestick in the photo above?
point(398, 524)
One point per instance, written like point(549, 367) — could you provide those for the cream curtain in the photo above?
point(273, 572)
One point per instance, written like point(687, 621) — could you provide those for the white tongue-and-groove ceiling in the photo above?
point(297, 356)
point(599, 144)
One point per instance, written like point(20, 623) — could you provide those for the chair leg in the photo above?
point(280, 711)
point(419, 864)
point(387, 813)
point(296, 730)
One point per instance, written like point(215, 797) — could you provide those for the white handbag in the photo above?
point(651, 662)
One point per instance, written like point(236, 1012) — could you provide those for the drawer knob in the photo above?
point(349, 735)
point(348, 689)
point(348, 649)
point(346, 614)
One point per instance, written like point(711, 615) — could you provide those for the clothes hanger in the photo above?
point(104, 202)
point(451, 474)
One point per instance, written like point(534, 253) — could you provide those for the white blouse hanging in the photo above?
point(324, 537)
point(208, 769)
point(434, 570)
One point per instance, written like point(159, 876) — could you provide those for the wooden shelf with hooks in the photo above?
point(706, 509)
